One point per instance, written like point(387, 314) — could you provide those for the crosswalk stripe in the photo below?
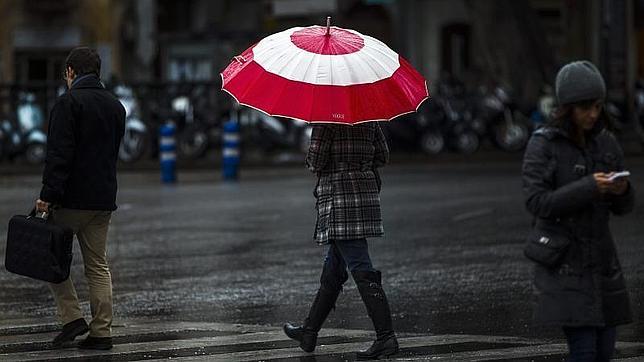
point(168, 346)
point(528, 351)
point(201, 345)
point(204, 341)
point(347, 349)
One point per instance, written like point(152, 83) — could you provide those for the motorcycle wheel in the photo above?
point(467, 142)
point(133, 146)
point(35, 153)
point(432, 142)
point(193, 143)
point(512, 136)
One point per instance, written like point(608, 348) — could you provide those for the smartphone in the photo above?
point(618, 175)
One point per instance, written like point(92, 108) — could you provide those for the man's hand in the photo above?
point(42, 206)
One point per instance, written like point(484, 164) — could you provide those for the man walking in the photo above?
point(86, 126)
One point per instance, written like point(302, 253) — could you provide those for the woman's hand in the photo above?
point(619, 186)
point(604, 185)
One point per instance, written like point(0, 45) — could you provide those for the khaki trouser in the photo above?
point(90, 227)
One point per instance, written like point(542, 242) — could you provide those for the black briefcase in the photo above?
point(38, 249)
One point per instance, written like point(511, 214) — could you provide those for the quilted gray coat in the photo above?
point(345, 159)
point(588, 287)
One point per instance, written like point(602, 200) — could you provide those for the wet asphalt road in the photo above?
point(205, 250)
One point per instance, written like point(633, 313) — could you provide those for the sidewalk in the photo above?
point(28, 340)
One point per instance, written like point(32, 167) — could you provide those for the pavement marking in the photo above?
point(343, 350)
point(499, 354)
point(204, 341)
point(473, 214)
point(245, 337)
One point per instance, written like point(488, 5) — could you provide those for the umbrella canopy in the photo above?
point(325, 74)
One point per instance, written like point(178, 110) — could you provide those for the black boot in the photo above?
point(331, 282)
point(374, 298)
point(307, 334)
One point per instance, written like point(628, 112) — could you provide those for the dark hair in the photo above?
point(562, 116)
point(84, 60)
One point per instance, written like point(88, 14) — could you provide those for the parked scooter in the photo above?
point(273, 133)
point(3, 138)
point(447, 120)
point(194, 136)
point(136, 139)
point(505, 125)
point(23, 136)
point(544, 108)
point(443, 122)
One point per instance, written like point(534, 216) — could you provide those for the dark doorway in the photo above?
point(455, 48)
point(39, 66)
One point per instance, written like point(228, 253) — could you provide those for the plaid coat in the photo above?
point(345, 159)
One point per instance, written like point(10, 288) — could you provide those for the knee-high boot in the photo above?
point(330, 288)
point(374, 298)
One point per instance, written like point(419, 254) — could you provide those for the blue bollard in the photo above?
point(231, 150)
point(167, 152)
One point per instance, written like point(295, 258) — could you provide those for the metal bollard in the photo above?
point(167, 152)
point(231, 150)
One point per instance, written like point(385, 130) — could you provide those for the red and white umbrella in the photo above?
point(325, 74)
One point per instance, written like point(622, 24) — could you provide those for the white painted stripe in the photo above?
point(121, 350)
point(251, 334)
point(323, 350)
point(231, 137)
point(231, 152)
point(509, 354)
point(168, 156)
point(167, 141)
point(277, 54)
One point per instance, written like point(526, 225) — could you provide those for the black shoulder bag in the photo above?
point(548, 243)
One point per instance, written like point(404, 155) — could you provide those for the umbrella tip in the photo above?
point(328, 26)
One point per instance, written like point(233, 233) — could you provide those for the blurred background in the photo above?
point(490, 66)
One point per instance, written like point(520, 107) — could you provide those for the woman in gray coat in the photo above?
point(346, 159)
point(567, 171)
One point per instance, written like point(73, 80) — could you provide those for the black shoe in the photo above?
point(307, 338)
point(374, 298)
point(90, 342)
point(381, 348)
point(70, 331)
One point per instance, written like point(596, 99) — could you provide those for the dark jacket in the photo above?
point(587, 288)
point(86, 126)
point(346, 159)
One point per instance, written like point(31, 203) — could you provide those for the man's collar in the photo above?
point(87, 81)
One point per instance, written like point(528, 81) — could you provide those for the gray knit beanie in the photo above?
point(579, 81)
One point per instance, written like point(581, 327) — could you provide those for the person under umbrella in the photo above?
point(346, 160)
point(343, 82)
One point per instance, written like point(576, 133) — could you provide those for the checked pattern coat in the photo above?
point(346, 160)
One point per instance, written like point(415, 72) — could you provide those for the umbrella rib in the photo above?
point(394, 59)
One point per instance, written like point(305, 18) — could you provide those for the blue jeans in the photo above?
point(590, 344)
point(353, 254)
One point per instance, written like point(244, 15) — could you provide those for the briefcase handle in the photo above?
point(38, 215)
